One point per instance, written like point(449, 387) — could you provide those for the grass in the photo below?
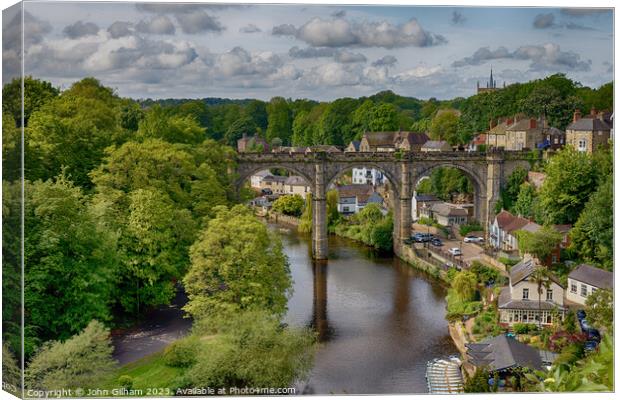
point(147, 373)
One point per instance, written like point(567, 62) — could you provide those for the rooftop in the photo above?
point(593, 276)
point(448, 210)
point(524, 269)
point(506, 301)
point(501, 352)
point(588, 123)
point(435, 144)
point(295, 180)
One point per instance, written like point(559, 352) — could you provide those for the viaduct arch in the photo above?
point(487, 171)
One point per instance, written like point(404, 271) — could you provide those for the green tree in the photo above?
point(539, 244)
point(335, 123)
point(11, 372)
point(11, 266)
point(478, 382)
point(541, 276)
point(593, 234)
point(292, 204)
point(36, 93)
point(252, 349)
point(510, 192)
point(570, 181)
point(280, 120)
point(549, 101)
point(444, 127)
point(236, 264)
point(11, 149)
point(361, 119)
point(83, 361)
point(333, 216)
point(384, 117)
point(70, 133)
point(305, 224)
point(244, 125)
point(524, 206)
point(600, 309)
point(161, 124)
point(464, 285)
point(70, 263)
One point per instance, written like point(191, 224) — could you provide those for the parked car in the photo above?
point(473, 239)
point(266, 191)
point(590, 346)
point(581, 314)
point(422, 237)
point(455, 251)
point(436, 242)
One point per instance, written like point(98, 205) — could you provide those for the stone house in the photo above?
point(353, 198)
point(589, 133)
point(252, 144)
point(518, 302)
point(585, 280)
point(554, 139)
point(390, 141)
point(296, 185)
point(275, 183)
point(444, 213)
point(525, 133)
point(436, 145)
point(353, 147)
point(421, 201)
point(496, 136)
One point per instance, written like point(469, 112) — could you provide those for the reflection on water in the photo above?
point(378, 320)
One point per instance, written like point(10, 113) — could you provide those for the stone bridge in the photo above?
point(487, 172)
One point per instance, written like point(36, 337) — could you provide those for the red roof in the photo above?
point(510, 223)
point(480, 139)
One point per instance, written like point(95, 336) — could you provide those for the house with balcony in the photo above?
point(519, 302)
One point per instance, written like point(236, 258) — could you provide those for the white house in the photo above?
point(256, 180)
point(585, 280)
point(444, 213)
point(518, 302)
point(502, 230)
point(367, 176)
point(353, 198)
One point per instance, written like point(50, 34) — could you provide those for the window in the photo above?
point(573, 288)
point(582, 145)
point(592, 290)
point(526, 293)
point(584, 290)
point(549, 294)
point(554, 258)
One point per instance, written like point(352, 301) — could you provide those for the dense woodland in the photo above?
point(124, 199)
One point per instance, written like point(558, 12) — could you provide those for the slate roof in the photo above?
point(524, 125)
point(413, 137)
point(555, 132)
point(356, 145)
point(380, 138)
point(426, 197)
point(323, 147)
point(435, 144)
point(295, 180)
point(505, 301)
point(448, 210)
point(354, 190)
point(524, 269)
point(274, 178)
point(588, 123)
point(593, 276)
point(501, 352)
point(262, 173)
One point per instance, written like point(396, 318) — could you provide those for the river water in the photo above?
point(378, 320)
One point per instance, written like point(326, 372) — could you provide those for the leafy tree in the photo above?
point(593, 233)
point(510, 192)
point(36, 93)
point(335, 123)
point(11, 372)
point(82, 361)
point(570, 181)
point(444, 127)
point(289, 205)
point(541, 243)
point(381, 235)
point(549, 101)
point(479, 382)
point(131, 115)
point(11, 149)
point(525, 204)
point(70, 263)
point(464, 285)
point(361, 119)
point(11, 265)
point(305, 224)
point(244, 125)
point(333, 216)
point(160, 124)
point(257, 110)
point(250, 349)
point(384, 117)
point(70, 133)
point(600, 309)
point(236, 264)
point(279, 120)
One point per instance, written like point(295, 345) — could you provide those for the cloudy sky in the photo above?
point(315, 51)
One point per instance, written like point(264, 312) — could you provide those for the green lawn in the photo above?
point(148, 373)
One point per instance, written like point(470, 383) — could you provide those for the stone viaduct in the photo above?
point(487, 172)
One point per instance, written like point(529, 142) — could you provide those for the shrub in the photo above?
point(508, 261)
point(426, 221)
point(181, 353)
point(289, 205)
point(473, 226)
point(559, 340)
point(125, 381)
point(521, 328)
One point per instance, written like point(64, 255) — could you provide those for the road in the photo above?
point(470, 251)
point(160, 327)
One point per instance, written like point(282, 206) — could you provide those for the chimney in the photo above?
point(576, 115)
point(532, 123)
point(593, 111)
point(509, 121)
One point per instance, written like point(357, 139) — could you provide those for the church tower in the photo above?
point(491, 85)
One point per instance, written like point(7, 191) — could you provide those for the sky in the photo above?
point(320, 52)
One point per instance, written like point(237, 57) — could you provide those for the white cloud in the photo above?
point(339, 32)
point(250, 28)
point(158, 25)
point(80, 29)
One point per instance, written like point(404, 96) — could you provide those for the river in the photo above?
point(378, 319)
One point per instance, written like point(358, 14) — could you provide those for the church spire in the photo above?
point(491, 82)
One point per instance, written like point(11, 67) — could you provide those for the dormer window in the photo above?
point(526, 294)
